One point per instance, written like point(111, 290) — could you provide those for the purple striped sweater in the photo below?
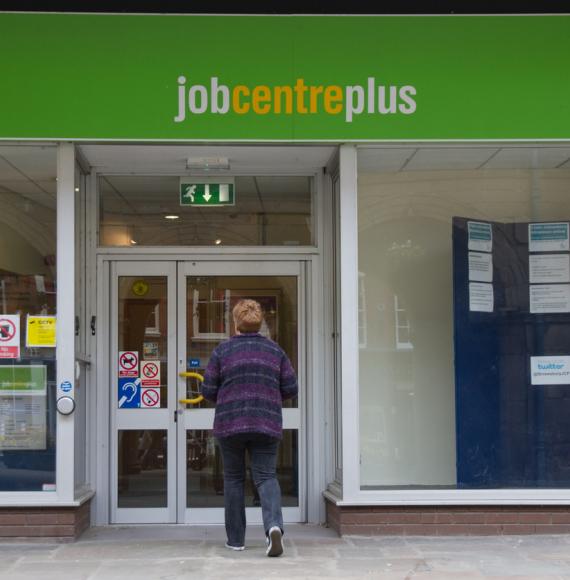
point(248, 377)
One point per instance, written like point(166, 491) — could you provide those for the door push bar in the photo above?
point(191, 375)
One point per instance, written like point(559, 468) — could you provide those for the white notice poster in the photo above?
point(480, 267)
point(549, 268)
point(22, 423)
point(481, 298)
point(551, 237)
point(549, 298)
point(480, 236)
point(550, 370)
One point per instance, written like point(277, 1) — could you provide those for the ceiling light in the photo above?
point(171, 217)
point(77, 190)
point(218, 242)
point(207, 163)
point(133, 243)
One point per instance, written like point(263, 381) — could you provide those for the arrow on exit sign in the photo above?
point(207, 194)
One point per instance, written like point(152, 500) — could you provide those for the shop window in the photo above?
point(27, 319)
point(465, 265)
point(146, 211)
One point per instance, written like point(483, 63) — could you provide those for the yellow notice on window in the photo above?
point(40, 331)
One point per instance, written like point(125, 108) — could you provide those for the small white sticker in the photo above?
point(550, 370)
point(480, 236)
point(548, 268)
point(549, 298)
point(550, 237)
point(481, 297)
point(480, 267)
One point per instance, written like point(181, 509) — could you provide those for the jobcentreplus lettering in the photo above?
point(300, 98)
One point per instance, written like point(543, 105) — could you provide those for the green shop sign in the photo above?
point(284, 78)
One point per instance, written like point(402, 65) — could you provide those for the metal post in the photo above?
point(65, 449)
point(349, 323)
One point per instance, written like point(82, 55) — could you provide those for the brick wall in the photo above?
point(448, 520)
point(63, 524)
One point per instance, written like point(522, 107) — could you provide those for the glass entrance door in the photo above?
point(167, 319)
point(207, 295)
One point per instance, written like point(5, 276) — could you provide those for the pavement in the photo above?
point(189, 552)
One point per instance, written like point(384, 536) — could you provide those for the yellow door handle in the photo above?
point(191, 375)
point(195, 401)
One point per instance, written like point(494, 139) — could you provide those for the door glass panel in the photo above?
point(204, 473)
point(205, 478)
point(142, 468)
point(143, 326)
point(138, 210)
point(288, 468)
point(210, 301)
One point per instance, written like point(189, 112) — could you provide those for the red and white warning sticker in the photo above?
point(129, 363)
point(150, 398)
point(150, 373)
point(9, 336)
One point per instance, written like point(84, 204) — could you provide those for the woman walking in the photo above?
point(248, 377)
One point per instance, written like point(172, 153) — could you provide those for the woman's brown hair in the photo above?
point(247, 316)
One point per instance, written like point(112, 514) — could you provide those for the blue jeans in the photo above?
point(262, 451)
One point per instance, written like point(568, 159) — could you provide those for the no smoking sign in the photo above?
point(150, 373)
point(150, 398)
point(10, 336)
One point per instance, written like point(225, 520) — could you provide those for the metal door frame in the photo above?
point(176, 270)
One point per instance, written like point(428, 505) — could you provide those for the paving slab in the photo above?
point(190, 552)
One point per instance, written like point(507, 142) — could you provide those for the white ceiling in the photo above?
point(171, 159)
point(29, 172)
point(395, 159)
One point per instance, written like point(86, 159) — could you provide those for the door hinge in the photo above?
point(176, 415)
point(93, 325)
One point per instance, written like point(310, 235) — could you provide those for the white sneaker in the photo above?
point(274, 542)
point(236, 548)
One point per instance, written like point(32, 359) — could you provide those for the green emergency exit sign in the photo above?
point(207, 194)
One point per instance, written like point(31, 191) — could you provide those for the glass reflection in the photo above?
point(143, 326)
point(205, 475)
point(142, 469)
point(27, 288)
point(210, 301)
point(269, 211)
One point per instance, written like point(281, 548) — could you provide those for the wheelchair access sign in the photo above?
point(129, 393)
